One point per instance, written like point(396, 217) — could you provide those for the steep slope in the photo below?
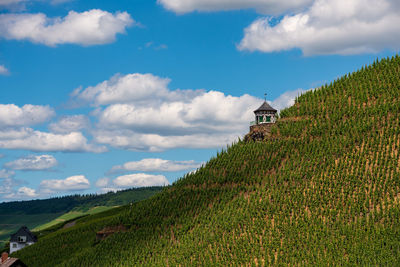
point(324, 190)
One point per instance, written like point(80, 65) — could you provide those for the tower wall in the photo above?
point(259, 132)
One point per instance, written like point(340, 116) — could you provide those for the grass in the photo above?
point(70, 216)
point(9, 226)
point(43, 213)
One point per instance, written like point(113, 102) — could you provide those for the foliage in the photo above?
point(323, 190)
point(80, 202)
point(44, 213)
point(70, 216)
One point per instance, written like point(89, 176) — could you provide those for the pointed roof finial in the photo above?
point(265, 97)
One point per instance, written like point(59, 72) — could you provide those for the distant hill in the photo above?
point(323, 190)
point(39, 214)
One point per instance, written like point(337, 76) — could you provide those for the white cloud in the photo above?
point(134, 87)
point(70, 124)
point(3, 70)
point(22, 193)
point(5, 174)
point(140, 180)
point(330, 27)
point(66, 138)
point(91, 27)
point(14, 5)
point(32, 163)
point(287, 99)
point(10, 2)
point(73, 183)
point(104, 190)
point(139, 112)
point(155, 164)
point(128, 139)
point(21, 5)
point(206, 113)
point(7, 184)
point(26, 191)
point(29, 139)
point(105, 186)
point(263, 6)
point(103, 182)
point(12, 115)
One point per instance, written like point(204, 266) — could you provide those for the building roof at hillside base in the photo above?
point(12, 262)
point(6, 261)
point(23, 231)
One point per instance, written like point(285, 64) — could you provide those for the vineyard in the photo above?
point(324, 189)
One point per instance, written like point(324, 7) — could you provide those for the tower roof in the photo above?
point(265, 107)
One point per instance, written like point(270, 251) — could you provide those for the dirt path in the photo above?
point(70, 224)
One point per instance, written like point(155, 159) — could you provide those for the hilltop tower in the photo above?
point(265, 114)
point(265, 117)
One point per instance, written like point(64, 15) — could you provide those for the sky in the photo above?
point(98, 96)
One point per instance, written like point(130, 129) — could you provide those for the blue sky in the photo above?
point(105, 95)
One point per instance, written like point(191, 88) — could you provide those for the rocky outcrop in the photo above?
point(258, 132)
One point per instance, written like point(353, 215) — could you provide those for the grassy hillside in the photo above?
point(40, 214)
point(76, 213)
point(324, 190)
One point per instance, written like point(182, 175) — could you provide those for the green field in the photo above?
point(38, 215)
point(70, 216)
point(10, 224)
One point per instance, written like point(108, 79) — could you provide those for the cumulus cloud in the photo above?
point(3, 70)
point(155, 165)
point(330, 27)
point(22, 193)
point(128, 139)
point(14, 134)
point(73, 183)
point(140, 180)
point(131, 88)
point(205, 113)
point(29, 139)
point(91, 27)
point(262, 6)
point(26, 191)
point(287, 99)
point(12, 115)
point(32, 163)
point(68, 124)
point(139, 112)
